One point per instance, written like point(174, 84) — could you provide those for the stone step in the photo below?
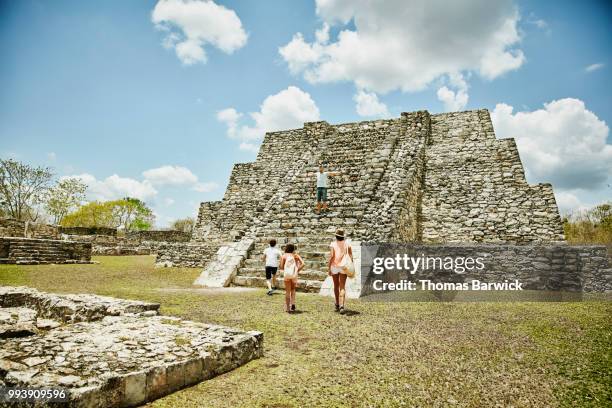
point(308, 274)
point(302, 246)
point(256, 281)
point(310, 263)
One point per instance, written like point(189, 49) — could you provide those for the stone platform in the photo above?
point(110, 352)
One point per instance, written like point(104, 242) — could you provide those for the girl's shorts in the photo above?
point(336, 270)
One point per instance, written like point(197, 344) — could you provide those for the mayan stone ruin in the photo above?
point(24, 242)
point(419, 178)
point(110, 352)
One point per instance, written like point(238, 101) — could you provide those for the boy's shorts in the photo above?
point(321, 194)
point(270, 270)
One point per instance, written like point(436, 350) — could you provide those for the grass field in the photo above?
point(382, 354)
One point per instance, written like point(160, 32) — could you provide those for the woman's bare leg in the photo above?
point(336, 280)
point(293, 288)
point(287, 295)
point(342, 294)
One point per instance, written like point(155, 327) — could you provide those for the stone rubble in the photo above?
point(110, 352)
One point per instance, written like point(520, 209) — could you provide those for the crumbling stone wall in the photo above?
point(10, 227)
point(186, 255)
point(85, 231)
point(159, 236)
point(14, 250)
point(105, 241)
point(207, 220)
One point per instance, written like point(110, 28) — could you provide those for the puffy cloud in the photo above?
point(594, 67)
point(288, 109)
point(407, 45)
point(454, 100)
point(230, 117)
point(170, 175)
point(367, 104)
point(564, 143)
point(115, 187)
point(200, 22)
point(569, 202)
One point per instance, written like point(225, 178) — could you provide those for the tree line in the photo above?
point(31, 193)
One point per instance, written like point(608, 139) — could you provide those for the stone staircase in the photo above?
point(312, 249)
point(292, 219)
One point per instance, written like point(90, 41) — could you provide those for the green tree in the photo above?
point(129, 214)
point(184, 224)
point(22, 188)
point(92, 214)
point(590, 227)
point(132, 214)
point(64, 197)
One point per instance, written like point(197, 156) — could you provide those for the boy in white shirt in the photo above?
point(271, 258)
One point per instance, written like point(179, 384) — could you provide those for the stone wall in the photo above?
point(552, 267)
point(11, 228)
point(14, 250)
point(105, 241)
point(186, 255)
point(159, 236)
point(86, 231)
point(15, 228)
point(207, 220)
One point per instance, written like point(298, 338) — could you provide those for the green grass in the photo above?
point(385, 354)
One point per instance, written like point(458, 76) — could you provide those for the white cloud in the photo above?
point(367, 104)
point(594, 67)
point(407, 45)
point(115, 187)
point(230, 117)
point(564, 143)
point(568, 202)
point(454, 100)
point(288, 109)
point(205, 187)
point(200, 22)
point(52, 156)
point(170, 175)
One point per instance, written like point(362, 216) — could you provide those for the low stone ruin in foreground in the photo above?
point(110, 352)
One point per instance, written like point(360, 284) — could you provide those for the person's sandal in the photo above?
point(342, 311)
point(337, 308)
point(293, 308)
point(270, 292)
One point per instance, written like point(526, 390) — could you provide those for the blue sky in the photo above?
point(90, 89)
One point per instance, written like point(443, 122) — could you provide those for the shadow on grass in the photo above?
point(351, 313)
